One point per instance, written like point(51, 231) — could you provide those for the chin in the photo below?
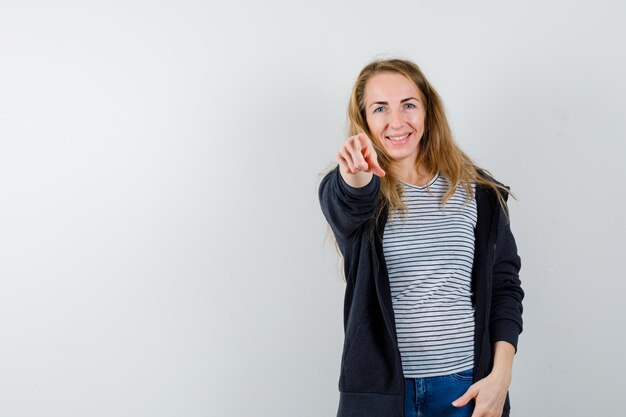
point(400, 153)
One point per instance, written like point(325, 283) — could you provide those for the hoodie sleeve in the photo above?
point(507, 293)
point(345, 207)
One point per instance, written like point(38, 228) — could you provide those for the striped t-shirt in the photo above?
point(429, 257)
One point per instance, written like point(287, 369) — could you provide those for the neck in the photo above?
point(411, 174)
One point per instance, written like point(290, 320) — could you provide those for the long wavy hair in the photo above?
point(438, 150)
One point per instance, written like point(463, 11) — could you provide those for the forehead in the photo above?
point(387, 86)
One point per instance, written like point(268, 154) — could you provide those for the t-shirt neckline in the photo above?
point(423, 187)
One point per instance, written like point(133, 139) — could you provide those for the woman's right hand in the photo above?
point(358, 155)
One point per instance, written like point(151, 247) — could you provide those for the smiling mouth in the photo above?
point(399, 138)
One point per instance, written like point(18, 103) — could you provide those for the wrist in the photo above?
point(501, 377)
point(502, 372)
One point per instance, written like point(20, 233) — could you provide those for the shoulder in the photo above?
point(485, 188)
point(487, 175)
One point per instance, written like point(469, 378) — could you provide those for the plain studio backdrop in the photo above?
point(162, 247)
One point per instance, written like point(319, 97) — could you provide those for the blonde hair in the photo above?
point(438, 151)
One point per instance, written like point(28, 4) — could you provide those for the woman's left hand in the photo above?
point(489, 393)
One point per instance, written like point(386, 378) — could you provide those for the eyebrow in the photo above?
point(401, 101)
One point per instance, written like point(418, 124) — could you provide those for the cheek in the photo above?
point(419, 120)
point(374, 125)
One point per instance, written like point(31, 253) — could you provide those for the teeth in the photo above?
point(398, 137)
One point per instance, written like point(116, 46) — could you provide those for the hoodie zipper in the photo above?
point(395, 338)
point(492, 243)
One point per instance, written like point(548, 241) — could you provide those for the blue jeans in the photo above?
point(433, 396)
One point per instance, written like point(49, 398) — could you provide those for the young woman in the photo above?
point(433, 302)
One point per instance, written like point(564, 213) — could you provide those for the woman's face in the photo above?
point(395, 114)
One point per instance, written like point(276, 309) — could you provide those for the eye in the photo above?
point(377, 108)
point(412, 106)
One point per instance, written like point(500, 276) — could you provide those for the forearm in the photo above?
point(504, 352)
point(346, 208)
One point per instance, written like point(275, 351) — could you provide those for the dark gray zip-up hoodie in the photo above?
point(371, 381)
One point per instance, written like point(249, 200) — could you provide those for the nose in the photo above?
point(395, 119)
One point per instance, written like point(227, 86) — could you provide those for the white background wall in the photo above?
point(161, 241)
